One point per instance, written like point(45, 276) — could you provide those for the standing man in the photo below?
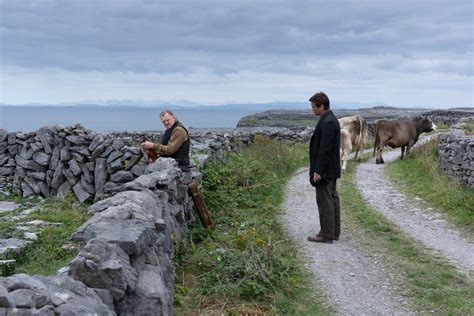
point(175, 142)
point(325, 168)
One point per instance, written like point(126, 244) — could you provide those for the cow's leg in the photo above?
point(382, 144)
point(403, 151)
point(379, 158)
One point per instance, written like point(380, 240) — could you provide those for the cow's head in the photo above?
point(427, 125)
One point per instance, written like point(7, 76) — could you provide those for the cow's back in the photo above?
point(395, 133)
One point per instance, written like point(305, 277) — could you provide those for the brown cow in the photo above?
point(357, 126)
point(399, 133)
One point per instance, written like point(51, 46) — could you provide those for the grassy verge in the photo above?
point(433, 285)
point(469, 127)
point(246, 263)
point(45, 255)
point(419, 175)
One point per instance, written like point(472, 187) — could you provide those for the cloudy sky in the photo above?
point(401, 53)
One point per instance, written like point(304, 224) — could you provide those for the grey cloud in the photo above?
point(230, 36)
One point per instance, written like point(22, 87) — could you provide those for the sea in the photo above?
point(106, 119)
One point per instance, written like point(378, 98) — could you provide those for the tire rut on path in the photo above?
point(413, 216)
point(355, 281)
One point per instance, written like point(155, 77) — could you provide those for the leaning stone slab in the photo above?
point(100, 176)
point(45, 139)
point(6, 171)
point(29, 164)
point(7, 206)
point(42, 158)
point(132, 235)
point(105, 266)
point(121, 176)
point(81, 194)
point(151, 298)
point(11, 244)
point(143, 199)
point(75, 168)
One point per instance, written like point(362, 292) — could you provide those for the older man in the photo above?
point(175, 142)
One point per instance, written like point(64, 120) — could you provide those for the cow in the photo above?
point(399, 133)
point(346, 147)
point(357, 127)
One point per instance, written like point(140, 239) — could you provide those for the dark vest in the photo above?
point(182, 154)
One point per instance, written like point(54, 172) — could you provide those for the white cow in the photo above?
point(354, 128)
point(346, 147)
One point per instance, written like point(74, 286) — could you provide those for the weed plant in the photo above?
point(419, 175)
point(246, 263)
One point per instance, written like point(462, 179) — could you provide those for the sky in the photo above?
point(400, 53)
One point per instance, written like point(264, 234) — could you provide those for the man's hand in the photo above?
point(316, 177)
point(147, 145)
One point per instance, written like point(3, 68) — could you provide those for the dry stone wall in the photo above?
point(125, 263)
point(456, 153)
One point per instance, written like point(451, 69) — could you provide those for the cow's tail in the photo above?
point(376, 137)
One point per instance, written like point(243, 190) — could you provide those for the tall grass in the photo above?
point(420, 175)
point(246, 263)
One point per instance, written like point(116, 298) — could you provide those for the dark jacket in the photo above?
point(324, 148)
point(182, 154)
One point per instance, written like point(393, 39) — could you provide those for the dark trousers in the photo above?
point(327, 199)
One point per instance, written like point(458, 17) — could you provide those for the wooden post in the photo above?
point(152, 154)
point(200, 205)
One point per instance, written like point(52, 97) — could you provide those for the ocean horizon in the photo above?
point(107, 119)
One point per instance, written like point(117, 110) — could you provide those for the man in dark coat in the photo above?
point(175, 142)
point(325, 168)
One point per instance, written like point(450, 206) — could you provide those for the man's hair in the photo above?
point(164, 112)
point(320, 98)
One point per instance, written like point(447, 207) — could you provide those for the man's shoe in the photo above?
point(320, 239)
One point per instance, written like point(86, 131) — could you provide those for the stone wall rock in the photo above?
point(456, 153)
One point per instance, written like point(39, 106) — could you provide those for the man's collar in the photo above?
point(325, 114)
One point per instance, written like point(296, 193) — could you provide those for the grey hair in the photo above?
point(162, 113)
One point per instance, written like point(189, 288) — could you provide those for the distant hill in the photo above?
point(184, 104)
point(303, 118)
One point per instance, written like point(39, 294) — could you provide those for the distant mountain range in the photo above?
point(177, 104)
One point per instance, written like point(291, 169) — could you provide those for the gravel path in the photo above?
point(352, 276)
point(413, 216)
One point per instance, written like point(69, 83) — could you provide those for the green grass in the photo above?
point(469, 127)
point(419, 175)
point(46, 255)
point(431, 283)
point(246, 264)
